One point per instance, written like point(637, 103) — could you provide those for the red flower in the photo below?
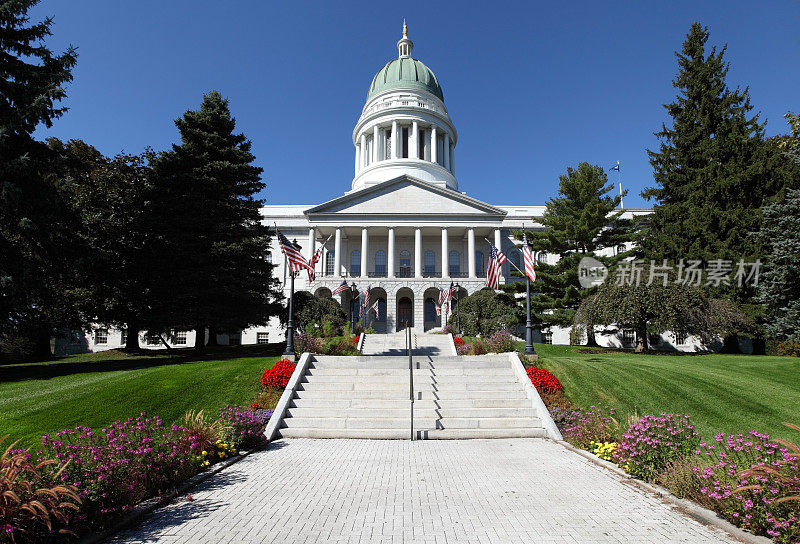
point(254, 406)
point(458, 341)
point(355, 339)
point(543, 380)
point(278, 376)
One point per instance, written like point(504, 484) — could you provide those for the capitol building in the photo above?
point(403, 228)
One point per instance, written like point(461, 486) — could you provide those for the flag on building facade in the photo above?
point(341, 289)
point(365, 304)
point(526, 252)
point(496, 260)
point(615, 168)
point(376, 307)
point(293, 253)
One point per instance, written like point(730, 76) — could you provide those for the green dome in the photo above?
point(405, 73)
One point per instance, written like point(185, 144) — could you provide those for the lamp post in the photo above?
point(458, 313)
point(289, 351)
point(353, 293)
point(528, 326)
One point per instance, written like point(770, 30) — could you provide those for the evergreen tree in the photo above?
point(110, 196)
point(36, 274)
point(208, 252)
point(713, 170)
point(580, 222)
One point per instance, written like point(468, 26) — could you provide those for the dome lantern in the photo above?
point(404, 46)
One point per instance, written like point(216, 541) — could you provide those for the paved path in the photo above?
point(520, 490)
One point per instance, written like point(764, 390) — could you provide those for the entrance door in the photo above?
point(405, 314)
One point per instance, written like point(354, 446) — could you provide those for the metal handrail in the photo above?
point(410, 377)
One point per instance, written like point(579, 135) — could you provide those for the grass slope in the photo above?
point(721, 393)
point(94, 394)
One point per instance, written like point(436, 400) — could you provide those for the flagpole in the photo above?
point(528, 325)
point(289, 351)
point(619, 180)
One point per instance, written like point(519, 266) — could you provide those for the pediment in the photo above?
point(405, 196)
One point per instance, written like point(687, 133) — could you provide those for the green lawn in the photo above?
point(97, 389)
point(721, 393)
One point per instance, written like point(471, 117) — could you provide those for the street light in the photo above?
point(353, 293)
point(458, 305)
point(289, 351)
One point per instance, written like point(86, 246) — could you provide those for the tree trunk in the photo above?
point(200, 339)
point(590, 337)
point(132, 341)
point(212, 336)
point(641, 339)
point(41, 345)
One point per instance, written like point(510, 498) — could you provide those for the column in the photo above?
point(414, 141)
point(446, 151)
point(453, 161)
point(358, 157)
point(363, 150)
point(364, 250)
point(391, 311)
point(417, 253)
point(337, 253)
point(312, 242)
point(471, 251)
point(445, 267)
point(390, 255)
point(498, 243)
point(375, 146)
point(434, 144)
point(395, 141)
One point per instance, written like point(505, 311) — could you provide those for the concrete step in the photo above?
point(398, 403)
point(403, 364)
point(374, 434)
point(402, 394)
point(428, 411)
point(467, 434)
point(404, 377)
point(400, 386)
point(421, 434)
point(419, 422)
point(447, 371)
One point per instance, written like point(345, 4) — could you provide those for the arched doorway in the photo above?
point(431, 318)
point(405, 313)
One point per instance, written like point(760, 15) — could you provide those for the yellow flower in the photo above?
point(205, 452)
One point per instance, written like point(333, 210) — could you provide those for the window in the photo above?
point(628, 337)
point(547, 337)
point(380, 263)
point(330, 263)
point(262, 338)
point(152, 339)
point(405, 264)
point(541, 258)
point(455, 263)
point(235, 339)
point(430, 310)
point(387, 148)
point(355, 263)
point(404, 151)
point(123, 336)
point(680, 338)
point(421, 136)
point(268, 257)
point(515, 256)
point(368, 149)
point(101, 336)
point(440, 149)
point(430, 263)
point(479, 263)
point(180, 338)
point(620, 249)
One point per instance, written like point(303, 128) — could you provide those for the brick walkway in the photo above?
point(519, 490)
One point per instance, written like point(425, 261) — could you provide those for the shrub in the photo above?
point(266, 399)
point(543, 380)
point(603, 450)
point(501, 342)
point(34, 502)
point(582, 427)
point(458, 341)
point(449, 329)
point(654, 442)
point(123, 463)
point(308, 343)
point(328, 328)
point(278, 376)
point(789, 348)
point(754, 483)
point(464, 349)
point(245, 428)
point(480, 347)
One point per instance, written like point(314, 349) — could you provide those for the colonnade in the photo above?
point(396, 142)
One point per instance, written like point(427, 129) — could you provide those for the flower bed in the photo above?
point(544, 380)
point(278, 376)
point(458, 341)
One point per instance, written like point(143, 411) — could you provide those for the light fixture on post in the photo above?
point(458, 306)
point(289, 351)
point(353, 294)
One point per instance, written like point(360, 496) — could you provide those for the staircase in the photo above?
point(368, 397)
point(395, 344)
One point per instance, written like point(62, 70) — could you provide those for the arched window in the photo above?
point(479, 263)
point(268, 257)
point(430, 263)
point(380, 263)
point(455, 263)
point(405, 264)
point(355, 263)
point(515, 256)
point(430, 309)
point(330, 263)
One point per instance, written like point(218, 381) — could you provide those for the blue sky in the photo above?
point(532, 87)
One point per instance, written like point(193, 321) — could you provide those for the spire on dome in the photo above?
point(404, 46)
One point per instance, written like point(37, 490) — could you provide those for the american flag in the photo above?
point(292, 251)
point(341, 289)
point(442, 296)
point(526, 252)
point(377, 309)
point(366, 298)
point(496, 260)
point(451, 291)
